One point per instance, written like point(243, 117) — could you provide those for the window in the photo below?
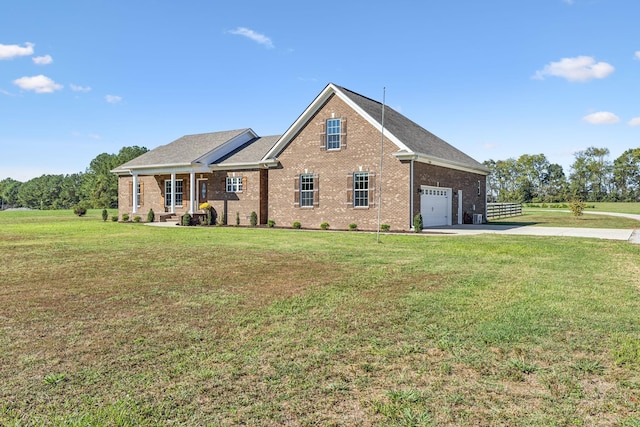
point(333, 134)
point(234, 184)
point(177, 195)
point(306, 190)
point(361, 189)
point(139, 193)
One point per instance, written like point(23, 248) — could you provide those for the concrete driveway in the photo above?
point(629, 235)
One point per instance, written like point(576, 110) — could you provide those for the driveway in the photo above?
point(629, 235)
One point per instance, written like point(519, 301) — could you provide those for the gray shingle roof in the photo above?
point(414, 136)
point(184, 150)
point(251, 152)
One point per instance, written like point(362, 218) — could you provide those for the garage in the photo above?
point(435, 206)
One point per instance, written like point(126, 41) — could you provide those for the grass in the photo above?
point(121, 324)
point(563, 218)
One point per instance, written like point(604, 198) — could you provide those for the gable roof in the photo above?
point(200, 151)
point(413, 141)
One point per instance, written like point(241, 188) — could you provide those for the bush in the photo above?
point(271, 223)
point(237, 218)
point(186, 220)
point(353, 227)
point(385, 227)
point(297, 225)
point(417, 223)
point(105, 215)
point(222, 220)
point(151, 216)
point(253, 219)
point(137, 218)
point(80, 209)
point(125, 217)
point(114, 218)
point(577, 207)
point(324, 225)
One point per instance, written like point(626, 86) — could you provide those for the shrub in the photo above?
point(151, 216)
point(105, 215)
point(114, 218)
point(271, 223)
point(125, 217)
point(80, 209)
point(417, 223)
point(324, 225)
point(137, 218)
point(385, 227)
point(297, 225)
point(186, 219)
point(222, 220)
point(237, 218)
point(577, 207)
point(253, 219)
point(353, 227)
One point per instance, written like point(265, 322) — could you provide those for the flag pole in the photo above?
point(384, 93)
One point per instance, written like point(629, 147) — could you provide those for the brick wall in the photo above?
point(362, 153)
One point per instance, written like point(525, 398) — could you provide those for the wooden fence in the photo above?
point(503, 210)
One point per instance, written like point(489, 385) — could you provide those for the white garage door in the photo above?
point(435, 206)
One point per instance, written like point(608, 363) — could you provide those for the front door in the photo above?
point(202, 191)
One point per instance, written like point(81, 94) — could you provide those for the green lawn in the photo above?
point(564, 218)
point(104, 323)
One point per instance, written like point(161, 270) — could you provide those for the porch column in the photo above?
point(192, 193)
point(173, 192)
point(134, 208)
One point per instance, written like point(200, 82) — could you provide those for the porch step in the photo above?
point(169, 217)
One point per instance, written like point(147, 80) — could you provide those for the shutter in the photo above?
point(343, 133)
point(316, 191)
point(372, 189)
point(350, 190)
point(323, 136)
point(296, 191)
point(130, 193)
point(244, 183)
point(223, 181)
point(141, 200)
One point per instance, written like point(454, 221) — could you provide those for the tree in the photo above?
point(626, 175)
point(9, 193)
point(100, 185)
point(592, 174)
point(42, 192)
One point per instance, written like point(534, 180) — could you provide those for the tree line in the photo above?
point(97, 187)
point(593, 177)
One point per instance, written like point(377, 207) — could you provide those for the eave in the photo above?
point(435, 161)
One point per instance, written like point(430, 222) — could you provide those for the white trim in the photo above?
point(192, 192)
point(134, 190)
point(430, 160)
point(460, 207)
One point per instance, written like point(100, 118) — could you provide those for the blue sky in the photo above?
point(495, 78)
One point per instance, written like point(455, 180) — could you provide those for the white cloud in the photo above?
point(489, 146)
point(637, 54)
point(578, 69)
point(9, 51)
point(252, 35)
point(634, 122)
point(38, 84)
point(94, 136)
point(42, 60)
point(77, 88)
point(113, 99)
point(569, 1)
point(601, 118)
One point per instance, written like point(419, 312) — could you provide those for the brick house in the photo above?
point(336, 163)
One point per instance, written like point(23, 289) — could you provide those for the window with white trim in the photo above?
point(139, 193)
point(333, 134)
point(361, 189)
point(306, 189)
point(234, 184)
point(177, 194)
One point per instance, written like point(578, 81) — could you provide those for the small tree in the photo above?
point(577, 207)
point(237, 218)
point(253, 219)
point(417, 223)
point(186, 219)
point(151, 216)
point(105, 215)
point(223, 219)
